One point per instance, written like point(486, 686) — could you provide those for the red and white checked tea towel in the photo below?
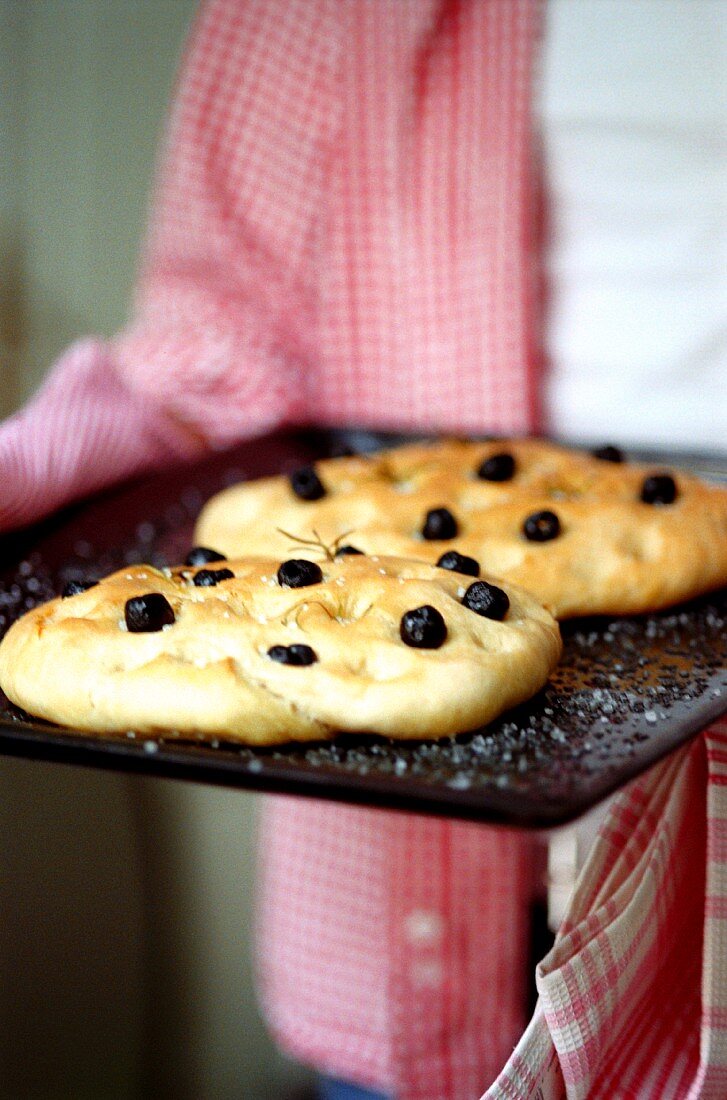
point(633, 995)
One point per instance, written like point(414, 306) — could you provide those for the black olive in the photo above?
point(202, 555)
point(487, 600)
point(306, 484)
point(459, 563)
point(439, 524)
point(74, 588)
point(293, 654)
point(147, 614)
point(608, 454)
point(499, 467)
point(207, 578)
point(541, 527)
point(659, 489)
point(423, 628)
point(299, 573)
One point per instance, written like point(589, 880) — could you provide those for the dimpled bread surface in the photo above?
point(615, 554)
point(208, 674)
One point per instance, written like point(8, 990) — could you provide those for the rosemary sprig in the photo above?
point(327, 549)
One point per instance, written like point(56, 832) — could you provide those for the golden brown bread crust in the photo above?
point(208, 674)
point(615, 555)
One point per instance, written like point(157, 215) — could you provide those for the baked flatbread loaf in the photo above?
point(268, 651)
point(585, 535)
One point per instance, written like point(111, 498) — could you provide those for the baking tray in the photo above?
point(627, 691)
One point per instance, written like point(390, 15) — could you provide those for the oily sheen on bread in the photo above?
point(586, 535)
point(266, 651)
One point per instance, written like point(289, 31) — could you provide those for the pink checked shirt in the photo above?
point(342, 227)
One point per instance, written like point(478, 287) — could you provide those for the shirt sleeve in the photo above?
point(82, 431)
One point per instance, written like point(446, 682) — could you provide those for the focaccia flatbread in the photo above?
point(268, 651)
point(585, 535)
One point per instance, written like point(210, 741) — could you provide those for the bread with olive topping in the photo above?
point(277, 652)
point(585, 534)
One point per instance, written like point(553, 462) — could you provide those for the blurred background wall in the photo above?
point(125, 905)
point(85, 86)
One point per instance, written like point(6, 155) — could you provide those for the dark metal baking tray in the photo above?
point(627, 692)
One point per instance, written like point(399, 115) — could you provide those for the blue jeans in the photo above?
point(330, 1089)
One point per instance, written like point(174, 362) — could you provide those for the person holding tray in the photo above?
point(345, 233)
